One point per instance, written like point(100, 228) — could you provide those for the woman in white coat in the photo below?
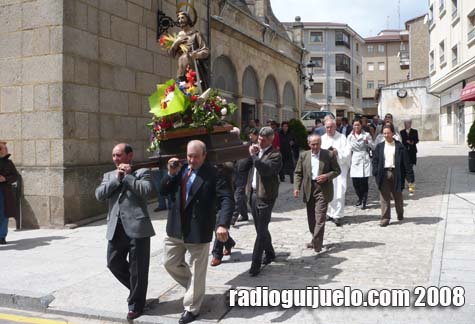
point(360, 144)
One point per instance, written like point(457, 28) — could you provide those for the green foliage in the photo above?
point(471, 137)
point(300, 132)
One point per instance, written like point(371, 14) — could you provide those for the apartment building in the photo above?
point(452, 65)
point(385, 60)
point(333, 77)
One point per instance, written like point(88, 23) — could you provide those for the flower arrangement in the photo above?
point(167, 41)
point(177, 105)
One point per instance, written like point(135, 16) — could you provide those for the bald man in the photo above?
point(128, 225)
point(196, 189)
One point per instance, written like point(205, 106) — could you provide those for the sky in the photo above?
point(366, 17)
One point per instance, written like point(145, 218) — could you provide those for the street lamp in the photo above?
point(309, 77)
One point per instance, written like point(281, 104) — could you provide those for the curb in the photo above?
point(438, 252)
point(25, 300)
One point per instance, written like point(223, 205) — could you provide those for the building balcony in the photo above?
point(404, 59)
point(343, 68)
point(471, 35)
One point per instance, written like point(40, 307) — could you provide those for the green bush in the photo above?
point(471, 137)
point(300, 133)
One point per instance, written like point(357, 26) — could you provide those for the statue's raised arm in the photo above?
point(190, 49)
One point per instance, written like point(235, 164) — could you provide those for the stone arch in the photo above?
point(250, 83)
point(289, 100)
point(250, 96)
point(271, 90)
point(271, 100)
point(224, 75)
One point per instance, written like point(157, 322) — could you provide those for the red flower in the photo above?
point(162, 40)
point(191, 76)
point(194, 98)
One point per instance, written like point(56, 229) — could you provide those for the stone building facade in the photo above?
point(75, 78)
point(418, 47)
point(414, 103)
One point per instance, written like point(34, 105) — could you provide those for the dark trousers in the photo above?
point(241, 205)
point(133, 274)
point(361, 187)
point(218, 246)
point(261, 212)
point(316, 216)
point(385, 192)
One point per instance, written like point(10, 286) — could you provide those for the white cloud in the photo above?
point(366, 17)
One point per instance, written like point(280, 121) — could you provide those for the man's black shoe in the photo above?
point(159, 209)
point(3, 241)
point(268, 259)
point(187, 317)
point(131, 315)
point(337, 221)
point(254, 271)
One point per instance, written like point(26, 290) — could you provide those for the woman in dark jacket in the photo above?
point(287, 143)
point(8, 175)
point(390, 167)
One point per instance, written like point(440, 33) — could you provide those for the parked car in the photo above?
point(309, 116)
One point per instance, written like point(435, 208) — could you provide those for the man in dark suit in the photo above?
point(315, 171)
point(128, 225)
point(196, 189)
point(345, 127)
point(390, 167)
point(262, 189)
point(410, 138)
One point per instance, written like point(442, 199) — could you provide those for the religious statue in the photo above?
point(191, 51)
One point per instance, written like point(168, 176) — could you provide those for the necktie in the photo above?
point(183, 188)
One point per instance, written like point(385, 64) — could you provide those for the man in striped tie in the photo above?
point(196, 189)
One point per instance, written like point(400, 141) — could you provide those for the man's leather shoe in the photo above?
point(3, 241)
point(187, 317)
point(384, 223)
point(309, 245)
point(215, 262)
point(268, 259)
point(159, 209)
point(358, 203)
point(254, 271)
point(400, 218)
point(133, 315)
point(337, 221)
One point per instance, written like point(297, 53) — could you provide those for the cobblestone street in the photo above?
point(427, 248)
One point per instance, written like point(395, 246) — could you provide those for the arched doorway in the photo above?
point(250, 95)
point(224, 78)
point(271, 100)
point(290, 107)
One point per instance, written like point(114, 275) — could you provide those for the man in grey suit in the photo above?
point(315, 171)
point(128, 225)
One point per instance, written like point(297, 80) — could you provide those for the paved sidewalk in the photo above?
point(64, 271)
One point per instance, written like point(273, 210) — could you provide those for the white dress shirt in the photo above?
point(389, 153)
point(315, 165)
